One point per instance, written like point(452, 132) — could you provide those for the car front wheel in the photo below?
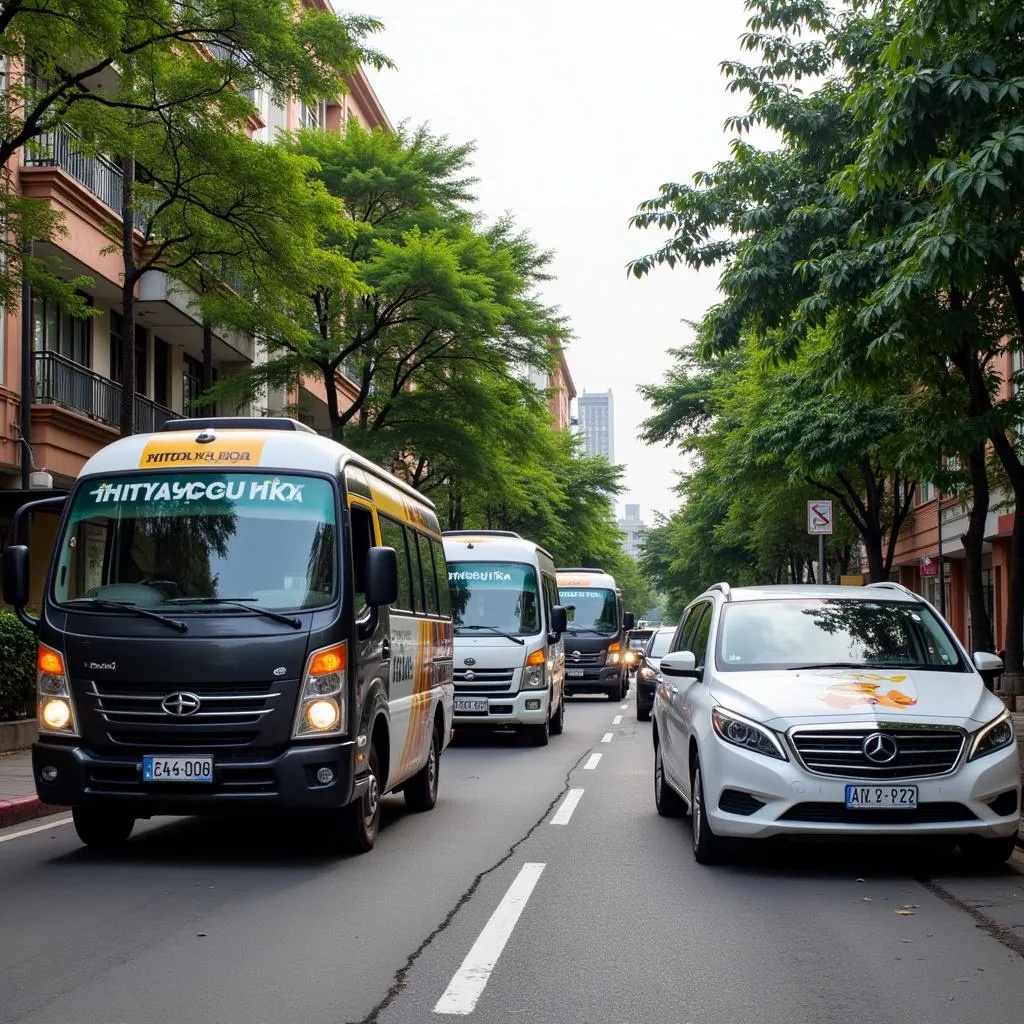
point(987, 853)
point(707, 847)
point(669, 803)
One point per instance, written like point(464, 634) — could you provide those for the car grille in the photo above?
point(840, 814)
point(586, 658)
point(484, 681)
point(733, 801)
point(838, 752)
point(124, 778)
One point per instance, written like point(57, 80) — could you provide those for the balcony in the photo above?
point(62, 382)
point(62, 147)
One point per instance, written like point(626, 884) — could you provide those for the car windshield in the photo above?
point(834, 633)
point(502, 595)
point(193, 541)
point(639, 642)
point(590, 608)
point(660, 643)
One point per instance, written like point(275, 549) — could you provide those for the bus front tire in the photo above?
point(421, 789)
point(102, 829)
point(361, 818)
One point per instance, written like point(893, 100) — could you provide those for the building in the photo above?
point(597, 423)
point(561, 391)
point(634, 531)
point(74, 372)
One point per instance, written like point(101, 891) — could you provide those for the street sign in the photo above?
point(819, 517)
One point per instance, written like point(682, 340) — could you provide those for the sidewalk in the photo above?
point(18, 801)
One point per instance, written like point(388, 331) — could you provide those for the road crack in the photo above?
point(399, 981)
point(1001, 933)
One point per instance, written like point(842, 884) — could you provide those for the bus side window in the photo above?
point(393, 536)
point(441, 571)
point(361, 526)
point(429, 577)
point(417, 578)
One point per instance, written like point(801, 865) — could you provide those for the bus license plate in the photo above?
point(867, 797)
point(574, 673)
point(176, 769)
point(469, 704)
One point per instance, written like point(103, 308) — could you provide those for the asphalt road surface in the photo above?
point(543, 888)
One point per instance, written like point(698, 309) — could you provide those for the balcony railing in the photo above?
point(63, 382)
point(61, 147)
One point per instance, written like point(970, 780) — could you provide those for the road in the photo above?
point(487, 910)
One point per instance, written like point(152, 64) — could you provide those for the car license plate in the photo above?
point(471, 704)
point(176, 769)
point(858, 797)
point(574, 673)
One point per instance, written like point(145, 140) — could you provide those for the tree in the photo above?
point(79, 62)
point(431, 292)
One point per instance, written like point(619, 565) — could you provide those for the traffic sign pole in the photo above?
point(821, 558)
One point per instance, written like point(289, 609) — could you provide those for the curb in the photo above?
point(25, 808)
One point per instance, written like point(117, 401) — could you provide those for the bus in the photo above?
point(595, 647)
point(508, 624)
point(239, 615)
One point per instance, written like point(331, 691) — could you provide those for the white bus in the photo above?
point(509, 663)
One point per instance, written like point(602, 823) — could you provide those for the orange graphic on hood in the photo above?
point(869, 690)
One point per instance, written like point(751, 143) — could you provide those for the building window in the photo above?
point(54, 330)
point(141, 354)
point(925, 491)
point(312, 116)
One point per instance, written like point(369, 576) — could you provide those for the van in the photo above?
point(509, 655)
point(595, 644)
point(239, 616)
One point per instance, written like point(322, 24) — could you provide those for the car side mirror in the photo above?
point(680, 664)
point(989, 666)
point(628, 621)
point(559, 621)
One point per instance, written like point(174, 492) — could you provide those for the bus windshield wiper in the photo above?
point(493, 629)
point(242, 602)
point(576, 630)
point(98, 602)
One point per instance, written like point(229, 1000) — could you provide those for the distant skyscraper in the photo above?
point(634, 530)
point(597, 423)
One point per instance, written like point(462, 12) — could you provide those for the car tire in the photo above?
point(421, 789)
point(558, 722)
point(668, 802)
point(102, 829)
point(361, 818)
point(707, 847)
point(987, 853)
point(643, 714)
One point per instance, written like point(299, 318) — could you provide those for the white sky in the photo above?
point(579, 114)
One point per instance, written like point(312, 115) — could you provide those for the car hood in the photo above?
point(817, 696)
point(490, 652)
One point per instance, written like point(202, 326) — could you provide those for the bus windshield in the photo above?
point(593, 609)
point(501, 595)
point(190, 540)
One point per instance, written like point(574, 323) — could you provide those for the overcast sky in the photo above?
point(579, 111)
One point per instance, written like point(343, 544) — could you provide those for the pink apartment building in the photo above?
point(75, 373)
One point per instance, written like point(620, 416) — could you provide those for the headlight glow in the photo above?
point(55, 707)
point(321, 704)
point(742, 732)
point(55, 713)
point(322, 715)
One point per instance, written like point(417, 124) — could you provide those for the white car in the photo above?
point(831, 711)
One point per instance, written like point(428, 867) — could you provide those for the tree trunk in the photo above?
point(127, 339)
point(333, 410)
point(973, 541)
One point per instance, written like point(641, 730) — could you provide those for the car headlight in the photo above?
point(55, 705)
point(742, 732)
point(648, 673)
point(992, 737)
point(321, 707)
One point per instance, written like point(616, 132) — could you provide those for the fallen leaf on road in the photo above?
point(905, 913)
point(200, 935)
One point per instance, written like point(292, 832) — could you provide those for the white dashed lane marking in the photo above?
point(568, 805)
point(616, 719)
point(606, 738)
point(592, 762)
point(470, 980)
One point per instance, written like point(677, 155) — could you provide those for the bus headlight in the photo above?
point(321, 707)
point(533, 673)
point(55, 705)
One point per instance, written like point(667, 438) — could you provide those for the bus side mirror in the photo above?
point(16, 576)
point(628, 621)
point(381, 577)
point(559, 620)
